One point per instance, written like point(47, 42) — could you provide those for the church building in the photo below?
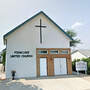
point(38, 47)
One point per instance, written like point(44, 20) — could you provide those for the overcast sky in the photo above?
point(68, 14)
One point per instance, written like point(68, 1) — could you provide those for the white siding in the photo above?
point(27, 38)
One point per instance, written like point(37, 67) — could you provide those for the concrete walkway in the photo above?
point(48, 83)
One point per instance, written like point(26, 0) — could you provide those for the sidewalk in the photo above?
point(51, 83)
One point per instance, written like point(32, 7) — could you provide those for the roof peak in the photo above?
point(31, 19)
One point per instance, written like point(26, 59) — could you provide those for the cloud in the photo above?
point(75, 25)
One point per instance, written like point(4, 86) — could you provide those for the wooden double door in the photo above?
point(55, 66)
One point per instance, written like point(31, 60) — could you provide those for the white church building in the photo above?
point(38, 47)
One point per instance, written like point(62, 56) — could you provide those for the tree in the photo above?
point(4, 58)
point(73, 35)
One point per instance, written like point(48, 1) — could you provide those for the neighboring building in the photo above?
point(38, 47)
point(79, 54)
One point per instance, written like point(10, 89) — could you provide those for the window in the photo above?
point(64, 52)
point(42, 52)
point(54, 52)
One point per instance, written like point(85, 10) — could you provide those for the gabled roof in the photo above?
point(31, 19)
point(85, 52)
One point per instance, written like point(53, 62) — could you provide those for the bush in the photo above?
point(73, 64)
point(84, 59)
point(4, 58)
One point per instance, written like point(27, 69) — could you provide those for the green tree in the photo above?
point(4, 58)
point(73, 35)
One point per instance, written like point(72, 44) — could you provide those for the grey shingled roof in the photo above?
point(85, 52)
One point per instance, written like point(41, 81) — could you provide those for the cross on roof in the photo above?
point(41, 26)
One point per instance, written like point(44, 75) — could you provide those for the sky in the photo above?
point(68, 14)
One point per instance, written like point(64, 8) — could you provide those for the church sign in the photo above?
point(22, 54)
point(81, 66)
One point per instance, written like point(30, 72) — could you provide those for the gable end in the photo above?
point(4, 37)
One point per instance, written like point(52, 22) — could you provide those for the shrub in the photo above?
point(4, 58)
point(73, 64)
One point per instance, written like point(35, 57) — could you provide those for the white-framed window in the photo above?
point(64, 52)
point(42, 52)
point(54, 52)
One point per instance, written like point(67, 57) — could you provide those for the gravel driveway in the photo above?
point(49, 83)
